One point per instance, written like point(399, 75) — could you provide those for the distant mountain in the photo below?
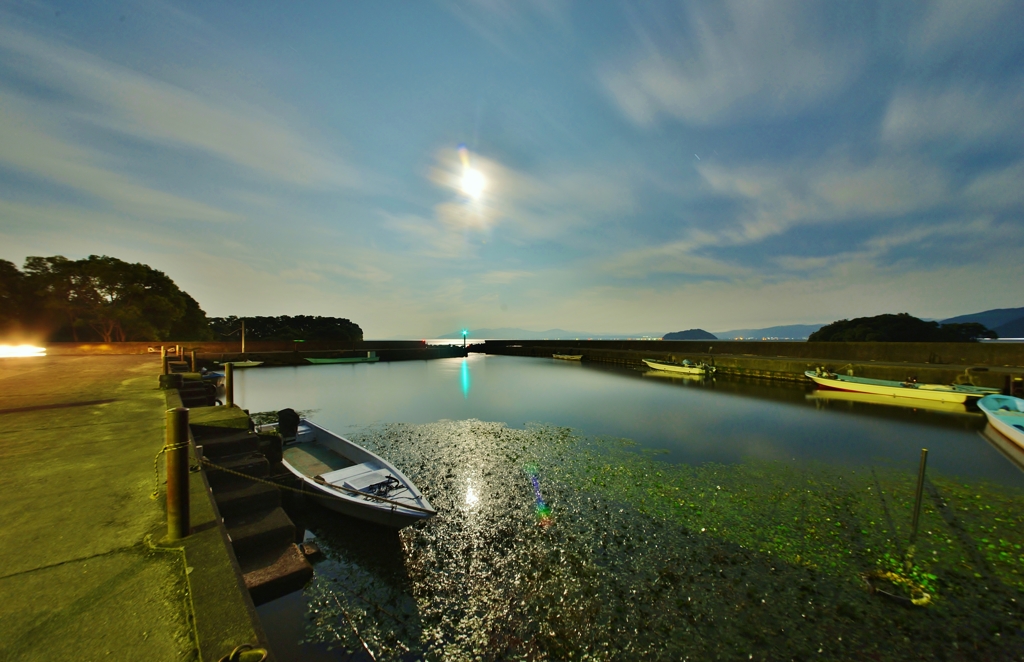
point(791, 331)
point(1012, 329)
point(506, 333)
point(990, 318)
point(691, 334)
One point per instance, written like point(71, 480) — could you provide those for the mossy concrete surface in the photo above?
point(80, 579)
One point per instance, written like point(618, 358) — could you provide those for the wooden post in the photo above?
point(194, 361)
point(243, 339)
point(163, 360)
point(229, 385)
point(176, 450)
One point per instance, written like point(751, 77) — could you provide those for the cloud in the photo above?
point(29, 149)
point(502, 277)
point(960, 115)
point(721, 62)
point(115, 98)
point(950, 25)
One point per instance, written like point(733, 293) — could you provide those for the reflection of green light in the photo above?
point(465, 378)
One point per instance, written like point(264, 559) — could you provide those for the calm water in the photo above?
point(701, 519)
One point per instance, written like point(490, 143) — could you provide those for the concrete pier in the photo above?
point(981, 364)
point(82, 571)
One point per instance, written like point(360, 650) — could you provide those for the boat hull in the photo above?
point(675, 367)
point(568, 357)
point(345, 495)
point(932, 392)
point(1006, 414)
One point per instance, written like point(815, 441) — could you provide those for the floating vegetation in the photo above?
point(647, 560)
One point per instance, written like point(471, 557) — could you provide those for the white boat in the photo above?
point(1006, 414)
point(349, 479)
point(243, 364)
point(568, 357)
point(941, 392)
point(686, 367)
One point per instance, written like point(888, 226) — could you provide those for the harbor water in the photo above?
point(589, 511)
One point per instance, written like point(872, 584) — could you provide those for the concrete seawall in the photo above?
point(982, 364)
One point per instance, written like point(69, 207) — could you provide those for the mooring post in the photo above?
point(194, 361)
point(176, 450)
point(920, 491)
point(229, 384)
point(163, 360)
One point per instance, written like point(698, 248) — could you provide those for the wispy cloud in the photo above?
point(716, 62)
point(107, 95)
point(959, 116)
point(32, 150)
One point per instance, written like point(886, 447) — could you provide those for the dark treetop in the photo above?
point(98, 298)
point(898, 328)
point(285, 327)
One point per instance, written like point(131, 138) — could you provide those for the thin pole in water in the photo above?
point(920, 491)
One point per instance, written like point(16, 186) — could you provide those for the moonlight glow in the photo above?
point(473, 183)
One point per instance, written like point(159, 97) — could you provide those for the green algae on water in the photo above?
point(649, 560)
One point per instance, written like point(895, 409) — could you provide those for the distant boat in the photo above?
point(959, 393)
point(568, 357)
point(686, 367)
point(243, 364)
point(349, 479)
point(1006, 414)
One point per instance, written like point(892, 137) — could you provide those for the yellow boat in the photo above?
point(958, 393)
point(568, 357)
point(685, 367)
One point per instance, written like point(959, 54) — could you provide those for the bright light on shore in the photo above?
point(20, 351)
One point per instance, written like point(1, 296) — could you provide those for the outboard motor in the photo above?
point(287, 423)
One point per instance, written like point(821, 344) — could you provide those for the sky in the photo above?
point(624, 167)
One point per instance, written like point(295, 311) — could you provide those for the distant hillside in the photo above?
point(1012, 329)
point(990, 318)
point(506, 333)
point(791, 331)
point(691, 334)
point(901, 327)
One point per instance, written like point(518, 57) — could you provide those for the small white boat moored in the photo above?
point(958, 393)
point(1006, 414)
point(686, 367)
point(349, 479)
point(568, 357)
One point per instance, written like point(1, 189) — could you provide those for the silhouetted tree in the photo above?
point(101, 298)
point(898, 328)
point(286, 327)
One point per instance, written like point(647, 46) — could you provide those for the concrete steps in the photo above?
point(255, 532)
point(270, 578)
point(246, 497)
point(250, 464)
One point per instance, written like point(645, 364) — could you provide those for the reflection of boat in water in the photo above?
point(888, 400)
point(1007, 448)
point(1005, 413)
point(371, 357)
point(351, 480)
point(674, 376)
point(568, 357)
point(685, 368)
point(937, 392)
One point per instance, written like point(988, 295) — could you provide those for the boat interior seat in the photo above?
point(305, 434)
point(357, 477)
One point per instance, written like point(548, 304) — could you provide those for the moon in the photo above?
point(473, 183)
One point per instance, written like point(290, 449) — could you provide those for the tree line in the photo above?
point(101, 298)
point(902, 327)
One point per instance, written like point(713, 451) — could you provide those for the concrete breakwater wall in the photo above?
point(982, 364)
point(232, 347)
